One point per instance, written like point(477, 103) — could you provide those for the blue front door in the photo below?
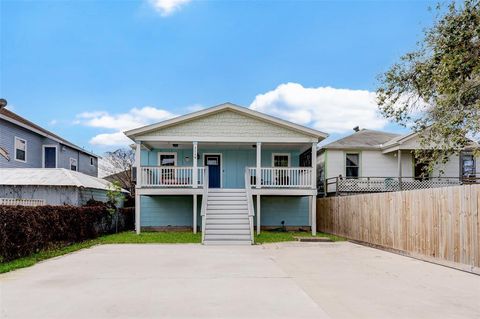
point(50, 157)
point(214, 170)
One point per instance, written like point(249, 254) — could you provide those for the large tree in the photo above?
point(118, 166)
point(436, 89)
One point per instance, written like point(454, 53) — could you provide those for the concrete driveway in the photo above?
point(289, 280)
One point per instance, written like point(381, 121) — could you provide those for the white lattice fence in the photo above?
point(391, 184)
point(21, 202)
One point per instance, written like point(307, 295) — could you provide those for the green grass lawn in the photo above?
point(146, 238)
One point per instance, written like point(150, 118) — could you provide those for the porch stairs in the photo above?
point(227, 219)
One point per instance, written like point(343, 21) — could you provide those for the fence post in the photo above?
point(336, 186)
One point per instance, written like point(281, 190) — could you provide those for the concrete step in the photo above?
point(225, 242)
point(227, 237)
point(236, 194)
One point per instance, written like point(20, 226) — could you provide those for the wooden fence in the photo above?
point(439, 224)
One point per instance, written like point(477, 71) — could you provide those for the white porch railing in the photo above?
point(283, 177)
point(203, 211)
point(170, 176)
point(251, 211)
point(22, 202)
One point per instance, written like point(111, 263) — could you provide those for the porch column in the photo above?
point(138, 185)
point(195, 166)
point(195, 214)
point(258, 214)
point(258, 178)
point(313, 213)
point(314, 165)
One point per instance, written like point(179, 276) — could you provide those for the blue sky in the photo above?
point(90, 69)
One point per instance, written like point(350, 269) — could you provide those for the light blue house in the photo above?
point(225, 170)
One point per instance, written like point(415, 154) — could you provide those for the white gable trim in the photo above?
point(222, 107)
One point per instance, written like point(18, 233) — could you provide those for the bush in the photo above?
point(27, 230)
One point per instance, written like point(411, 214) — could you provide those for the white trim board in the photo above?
point(270, 140)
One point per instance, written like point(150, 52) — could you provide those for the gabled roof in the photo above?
point(51, 177)
point(363, 139)
point(21, 121)
point(224, 107)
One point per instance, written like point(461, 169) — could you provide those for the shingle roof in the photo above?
point(9, 114)
point(50, 177)
point(363, 139)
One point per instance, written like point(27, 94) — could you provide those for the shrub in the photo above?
point(27, 230)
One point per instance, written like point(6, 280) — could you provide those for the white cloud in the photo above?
point(118, 123)
point(327, 109)
point(168, 7)
point(195, 107)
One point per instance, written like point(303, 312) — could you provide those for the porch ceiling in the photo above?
point(229, 145)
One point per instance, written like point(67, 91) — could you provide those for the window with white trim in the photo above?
point(468, 165)
point(352, 165)
point(167, 159)
point(281, 160)
point(73, 164)
point(20, 149)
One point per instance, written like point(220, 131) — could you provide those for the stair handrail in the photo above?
point(251, 212)
point(203, 211)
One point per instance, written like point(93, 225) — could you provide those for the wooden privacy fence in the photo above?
point(439, 224)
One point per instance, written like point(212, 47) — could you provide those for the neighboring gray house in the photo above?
point(376, 161)
point(50, 186)
point(24, 144)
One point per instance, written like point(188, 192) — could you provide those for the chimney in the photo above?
point(356, 128)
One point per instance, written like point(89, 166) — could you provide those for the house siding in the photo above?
point(228, 124)
point(164, 211)
point(35, 142)
point(233, 163)
point(293, 210)
point(376, 164)
point(177, 211)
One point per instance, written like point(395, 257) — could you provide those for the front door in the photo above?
point(214, 170)
point(50, 157)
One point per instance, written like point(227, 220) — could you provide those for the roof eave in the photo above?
point(305, 130)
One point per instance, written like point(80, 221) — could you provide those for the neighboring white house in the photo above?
point(369, 161)
point(219, 168)
point(50, 186)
